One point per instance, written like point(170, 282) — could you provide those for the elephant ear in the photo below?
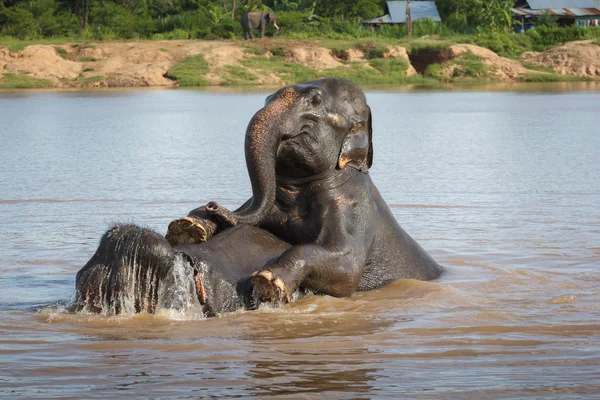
point(357, 149)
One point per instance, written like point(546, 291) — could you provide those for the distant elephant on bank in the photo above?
point(257, 20)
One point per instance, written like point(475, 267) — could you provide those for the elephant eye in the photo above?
point(316, 101)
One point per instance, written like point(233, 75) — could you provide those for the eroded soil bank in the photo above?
point(277, 62)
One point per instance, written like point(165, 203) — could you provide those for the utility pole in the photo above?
point(408, 19)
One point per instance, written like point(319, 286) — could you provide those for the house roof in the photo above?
point(550, 4)
point(562, 8)
point(397, 12)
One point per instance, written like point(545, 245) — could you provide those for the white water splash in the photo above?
point(177, 298)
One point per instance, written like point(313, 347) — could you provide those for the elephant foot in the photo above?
point(189, 230)
point(268, 288)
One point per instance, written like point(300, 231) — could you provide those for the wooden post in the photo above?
point(408, 19)
point(233, 10)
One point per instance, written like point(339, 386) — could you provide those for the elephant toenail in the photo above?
point(266, 273)
point(278, 282)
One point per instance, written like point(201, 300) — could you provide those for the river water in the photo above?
point(501, 187)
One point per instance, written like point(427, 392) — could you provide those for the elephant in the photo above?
point(315, 223)
point(308, 154)
point(136, 270)
point(257, 20)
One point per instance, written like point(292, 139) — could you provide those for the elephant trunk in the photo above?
point(263, 136)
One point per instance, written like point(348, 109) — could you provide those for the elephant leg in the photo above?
point(250, 33)
point(333, 272)
point(262, 30)
point(125, 273)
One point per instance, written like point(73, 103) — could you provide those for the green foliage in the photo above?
point(90, 79)
point(62, 52)
point(390, 67)
point(17, 47)
point(467, 16)
point(466, 67)
point(18, 81)
point(236, 76)
point(423, 47)
point(505, 44)
point(371, 49)
point(87, 59)
point(536, 67)
point(287, 71)
point(190, 71)
point(545, 36)
point(547, 20)
point(390, 74)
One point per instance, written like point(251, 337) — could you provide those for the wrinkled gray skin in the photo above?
point(308, 152)
point(133, 264)
point(257, 20)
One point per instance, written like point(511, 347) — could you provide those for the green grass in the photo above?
point(17, 47)
point(83, 46)
point(254, 50)
point(88, 69)
point(552, 78)
point(536, 67)
point(15, 44)
point(91, 79)
point(236, 75)
point(62, 52)
point(87, 59)
point(467, 67)
point(597, 42)
point(361, 75)
point(371, 49)
point(287, 71)
point(163, 50)
point(190, 71)
point(422, 47)
point(18, 81)
point(383, 71)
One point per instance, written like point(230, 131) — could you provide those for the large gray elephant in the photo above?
point(257, 20)
point(315, 222)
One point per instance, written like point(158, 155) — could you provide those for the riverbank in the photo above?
point(275, 62)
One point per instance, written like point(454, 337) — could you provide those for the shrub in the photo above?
point(544, 37)
point(505, 44)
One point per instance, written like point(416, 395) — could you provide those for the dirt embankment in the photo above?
point(131, 64)
point(580, 58)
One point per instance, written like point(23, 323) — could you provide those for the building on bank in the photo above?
point(581, 13)
point(397, 13)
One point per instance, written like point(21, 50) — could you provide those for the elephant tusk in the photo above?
point(275, 25)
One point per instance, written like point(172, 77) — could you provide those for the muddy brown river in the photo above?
point(501, 187)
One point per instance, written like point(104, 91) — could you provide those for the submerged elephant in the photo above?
point(136, 270)
point(257, 20)
point(328, 230)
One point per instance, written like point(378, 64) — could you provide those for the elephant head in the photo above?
point(270, 17)
point(305, 132)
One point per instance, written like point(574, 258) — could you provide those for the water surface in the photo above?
point(502, 188)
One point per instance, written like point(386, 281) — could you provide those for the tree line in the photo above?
point(219, 19)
